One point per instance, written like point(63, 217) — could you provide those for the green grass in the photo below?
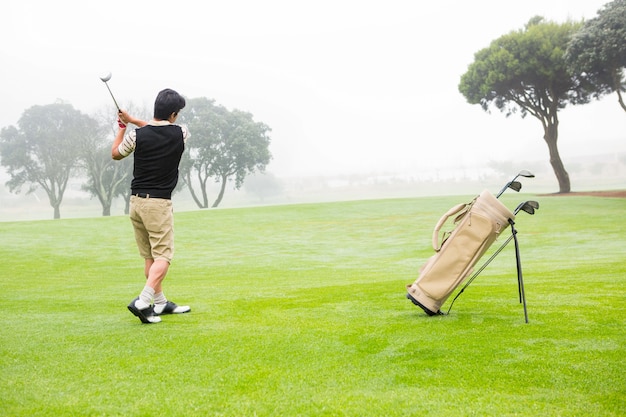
point(300, 311)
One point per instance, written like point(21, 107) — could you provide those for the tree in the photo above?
point(525, 71)
point(223, 145)
point(42, 151)
point(598, 51)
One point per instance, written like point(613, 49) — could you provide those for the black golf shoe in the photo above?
point(145, 314)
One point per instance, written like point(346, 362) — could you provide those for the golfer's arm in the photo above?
point(115, 153)
point(137, 122)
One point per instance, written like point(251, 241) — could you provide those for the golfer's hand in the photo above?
point(124, 117)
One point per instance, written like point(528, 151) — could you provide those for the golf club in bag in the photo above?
point(515, 185)
point(476, 226)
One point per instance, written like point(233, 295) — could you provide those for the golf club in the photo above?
point(104, 79)
point(522, 173)
point(527, 207)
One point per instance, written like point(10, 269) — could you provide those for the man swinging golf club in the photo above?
point(158, 146)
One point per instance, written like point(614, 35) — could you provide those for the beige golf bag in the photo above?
point(476, 225)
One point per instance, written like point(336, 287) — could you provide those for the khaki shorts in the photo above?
point(153, 221)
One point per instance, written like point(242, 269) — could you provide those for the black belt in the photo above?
point(146, 195)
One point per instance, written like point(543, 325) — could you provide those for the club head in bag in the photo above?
point(527, 207)
point(524, 173)
point(516, 185)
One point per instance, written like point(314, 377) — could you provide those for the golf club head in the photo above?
point(526, 173)
point(515, 185)
point(527, 207)
point(106, 77)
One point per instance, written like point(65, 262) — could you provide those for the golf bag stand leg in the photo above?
point(520, 280)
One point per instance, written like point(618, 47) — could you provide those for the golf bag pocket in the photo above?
point(476, 226)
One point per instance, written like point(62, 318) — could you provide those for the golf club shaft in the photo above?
point(518, 262)
point(504, 188)
point(110, 92)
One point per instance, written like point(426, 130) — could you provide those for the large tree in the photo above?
point(224, 146)
point(598, 50)
point(41, 151)
point(525, 71)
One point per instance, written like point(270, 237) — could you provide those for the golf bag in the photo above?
point(476, 225)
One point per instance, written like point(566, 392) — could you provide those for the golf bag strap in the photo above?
point(453, 211)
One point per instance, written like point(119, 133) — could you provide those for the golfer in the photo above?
point(158, 146)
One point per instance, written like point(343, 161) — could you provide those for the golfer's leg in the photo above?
point(147, 265)
point(157, 273)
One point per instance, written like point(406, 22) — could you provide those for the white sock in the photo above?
point(147, 295)
point(159, 298)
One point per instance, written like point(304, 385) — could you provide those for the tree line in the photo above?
point(546, 66)
point(56, 142)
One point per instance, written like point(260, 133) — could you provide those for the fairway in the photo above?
point(300, 310)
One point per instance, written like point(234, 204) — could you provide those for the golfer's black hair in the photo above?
point(167, 102)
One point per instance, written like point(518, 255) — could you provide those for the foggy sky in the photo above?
point(345, 86)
